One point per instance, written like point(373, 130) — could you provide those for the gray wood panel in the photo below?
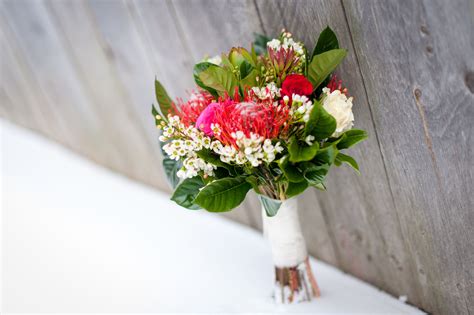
point(81, 73)
point(423, 108)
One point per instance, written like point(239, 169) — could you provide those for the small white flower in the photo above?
point(309, 139)
point(217, 60)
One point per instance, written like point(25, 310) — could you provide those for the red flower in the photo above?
point(296, 84)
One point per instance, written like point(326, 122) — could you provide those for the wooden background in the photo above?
point(81, 73)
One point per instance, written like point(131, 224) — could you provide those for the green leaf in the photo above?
point(220, 79)
point(187, 191)
point(260, 43)
point(292, 173)
point(326, 155)
point(323, 64)
point(352, 137)
point(245, 68)
point(164, 101)
point(315, 174)
point(270, 205)
point(250, 80)
point(171, 167)
point(198, 68)
point(253, 181)
point(321, 124)
point(155, 112)
point(295, 189)
point(327, 41)
point(223, 194)
point(300, 151)
point(349, 160)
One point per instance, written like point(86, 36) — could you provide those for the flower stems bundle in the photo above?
point(272, 119)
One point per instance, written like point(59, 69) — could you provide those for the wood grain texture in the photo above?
point(81, 73)
point(423, 108)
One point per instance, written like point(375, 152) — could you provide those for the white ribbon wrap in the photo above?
point(284, 233)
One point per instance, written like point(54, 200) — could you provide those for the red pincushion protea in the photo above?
point(189, 111)
point(262, 118)
point(335, 84)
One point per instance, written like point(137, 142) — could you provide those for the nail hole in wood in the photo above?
point(469, 80)
point(424, 30)
point(429, 49)
point(417, 93)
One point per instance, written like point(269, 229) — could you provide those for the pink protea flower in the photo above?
point(207, 118)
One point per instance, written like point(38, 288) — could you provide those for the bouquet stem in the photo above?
point(294, 279)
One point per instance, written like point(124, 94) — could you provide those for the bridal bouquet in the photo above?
point(273, 119)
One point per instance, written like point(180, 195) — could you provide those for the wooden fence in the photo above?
point(81, 73)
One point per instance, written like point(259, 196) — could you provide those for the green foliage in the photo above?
point(321, 124)
point(220, 79)
point(326, 155)
point(223, 194)
point(351, 137)
point(198, 68)
point(323, 65)
point(260, 44)
point(327, 41)
point(164, 101)
point(349, 160)
point(292, 173)
point(301, 151)
point(315, 174)
point(187, 191)
point(295, 189)
point(171, 167)
point(270, 205)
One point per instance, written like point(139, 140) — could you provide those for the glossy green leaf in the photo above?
point(198, 68)
point(292, 173)
point(250, 80)
point(315, 174)
point(323, 64)
point(187, 191)
point(352, 137)
point(270, 205)
point(223, 194)
point(321, 124)
point(220, 79)
point(326, 155)
point(295, 189)
point(320, 186)
point(164, 101)
point(245, 68)
point(253, 181)
point(327, 41)
point(300, 151)
point(349, 160)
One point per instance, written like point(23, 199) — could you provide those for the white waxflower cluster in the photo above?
point(268, 91)
point(187, 141)
point(340, 107)
point(287, 43)
point(301, 106)
point(254, 150)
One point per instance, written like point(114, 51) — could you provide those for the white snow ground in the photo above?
point(78, 238)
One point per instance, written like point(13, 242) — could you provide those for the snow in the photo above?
point(79, 238)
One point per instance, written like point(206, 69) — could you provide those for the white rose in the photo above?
point(340, 107)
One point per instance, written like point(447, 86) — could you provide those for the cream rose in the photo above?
point(340, 107)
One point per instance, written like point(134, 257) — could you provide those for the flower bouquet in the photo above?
point(273, 119)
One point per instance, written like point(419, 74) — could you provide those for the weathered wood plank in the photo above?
point(126, 51)
point(39, 41)
point(97, 74)
point(415, 58)
point(362, 246)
